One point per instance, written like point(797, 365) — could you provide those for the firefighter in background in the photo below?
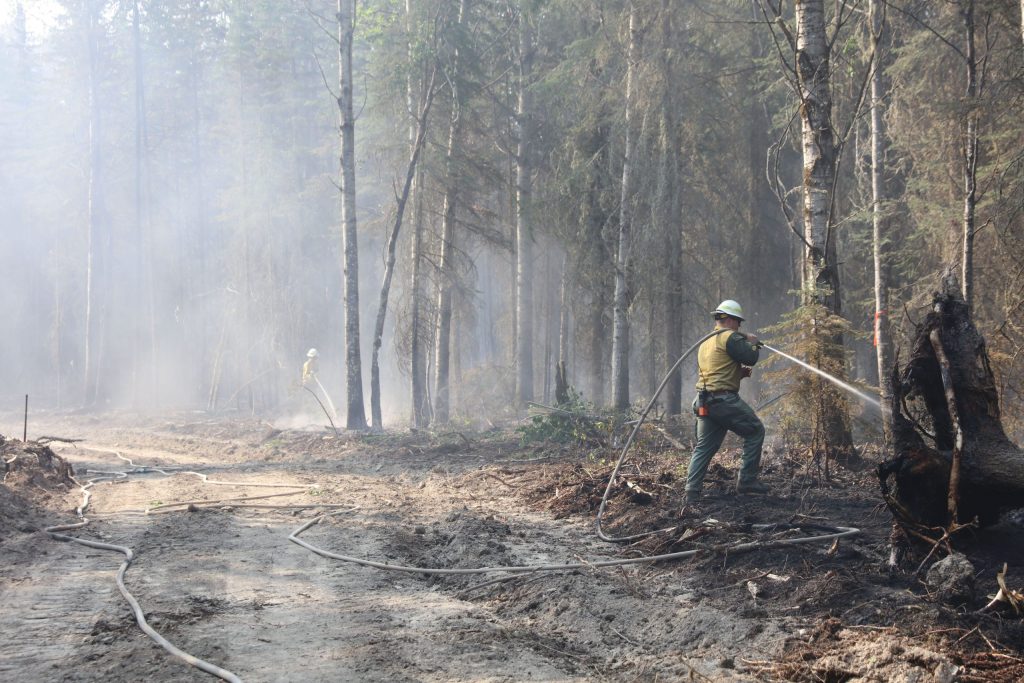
point(722, 361)
point(310, 382)
point(310, 367)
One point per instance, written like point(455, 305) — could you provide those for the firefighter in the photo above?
point(309, 368)
point(722, 361)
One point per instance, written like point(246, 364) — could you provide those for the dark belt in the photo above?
point(724, 392)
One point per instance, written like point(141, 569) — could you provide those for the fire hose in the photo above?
point(140, 618)
point(835, 532)
point(629, 442)
point(832, 533)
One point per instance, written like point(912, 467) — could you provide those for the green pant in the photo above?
point(727, 412)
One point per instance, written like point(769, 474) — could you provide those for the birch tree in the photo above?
point(98, 238)
point(140, 246)
point(811, 69)
point(970, 154)
point(819, 153)
point(356, 414)
point(879, 222)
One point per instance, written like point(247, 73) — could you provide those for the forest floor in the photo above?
point(224, 583)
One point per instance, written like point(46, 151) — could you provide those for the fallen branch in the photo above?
point(637, 494)
point(43, 440)
point(671, 439)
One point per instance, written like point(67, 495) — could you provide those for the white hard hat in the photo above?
point(312, 353)
point(730, 308)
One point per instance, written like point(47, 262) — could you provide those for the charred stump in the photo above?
point(951, 459)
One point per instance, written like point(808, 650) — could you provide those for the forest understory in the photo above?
point(221, 580)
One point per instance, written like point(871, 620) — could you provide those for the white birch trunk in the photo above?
point(563, 317)
point(95, 265)
point(883, 338)
point(139, 246)
point(442, 341)
point(820, 264)
point(669, 214)
point(524, 229)
point(356, 413)
point(970, 158)
point(620, 324)
point(818, 146)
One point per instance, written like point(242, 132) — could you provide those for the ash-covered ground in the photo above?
point(220, 579)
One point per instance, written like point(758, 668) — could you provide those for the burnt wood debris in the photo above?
point(951, 462)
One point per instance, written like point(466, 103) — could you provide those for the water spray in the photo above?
point(327, 396)
point(835, 380)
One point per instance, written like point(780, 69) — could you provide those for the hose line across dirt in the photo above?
point(834, 533)
point(54, 531)
point(140, 617)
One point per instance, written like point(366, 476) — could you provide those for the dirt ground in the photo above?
point(221, 580)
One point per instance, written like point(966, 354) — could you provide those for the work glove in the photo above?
point(746, 371)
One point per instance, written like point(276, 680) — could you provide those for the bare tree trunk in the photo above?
point(203, 304)
point(970, 156)
point(819, 155)
point(140, 249)
point(421, 404)
point(442, 348)
point(821, 268)
point(597, 266)
point(392, 245)
point(442, 344)
point(95, 279)
point(553, 331)
point(620, 328)
point(880, 223)
point(669, 210)
point(356, 414)
point(563, 335)
point(524, 227)
point(512, 104)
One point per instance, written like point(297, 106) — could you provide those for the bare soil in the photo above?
point(221, 581)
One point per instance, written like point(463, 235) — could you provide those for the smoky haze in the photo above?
point(171, 212)
point(187, 178)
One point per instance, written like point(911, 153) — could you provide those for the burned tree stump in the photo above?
point(947, 427)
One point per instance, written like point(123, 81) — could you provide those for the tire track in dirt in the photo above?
point(51, 594)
